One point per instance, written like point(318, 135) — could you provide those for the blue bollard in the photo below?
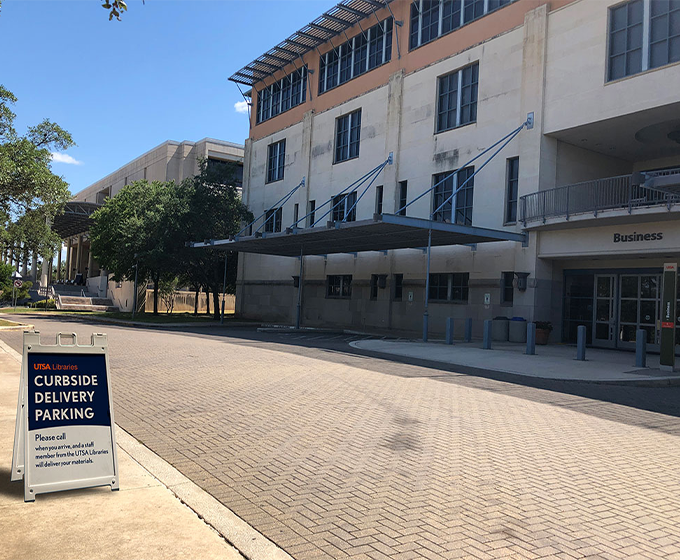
point(531, 339)
point(468, 330)
point(449, 330)
point(581, 343)
point(487, 335)
point(641, 348)
point(426, 321)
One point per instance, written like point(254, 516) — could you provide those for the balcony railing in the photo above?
point(591, 197)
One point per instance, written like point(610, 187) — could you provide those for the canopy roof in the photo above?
point(335, 21)
point(75, 220)
point(382, 233)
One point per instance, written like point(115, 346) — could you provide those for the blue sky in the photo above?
point(121, 88)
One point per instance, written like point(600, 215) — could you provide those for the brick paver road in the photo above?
point(334, 455)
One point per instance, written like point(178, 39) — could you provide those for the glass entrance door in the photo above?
point(604, 311)
point(639, 308)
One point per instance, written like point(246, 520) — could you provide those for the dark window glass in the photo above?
point(473, 9)
point(339, 286)
point(439, 287)
point(456, 108)
point(465, 196)
point(399, 287)
point(347, 136)
point(344, 207)
point(273, 220)
point(379, 199)
point(664, 33)
point(374, 286)
point(403, 195)
point(415, 24)
point(296, 213)
point(625, 39)
point(282, 95)
point(508, 290)
point(450, 15)
point(495, 4)
point(276, 161)
point(312, 213)
point(442, 202)
point(360, 54)
point(512, 190)
point(429, 21)
point(459, 286)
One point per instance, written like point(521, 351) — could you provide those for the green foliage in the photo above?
point(51, 304)
point(6, 284)
point(26, 180)
point(115, 7)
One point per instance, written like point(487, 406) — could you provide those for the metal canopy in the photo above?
point(382, 233)
point(332, 23)
point(75, 220)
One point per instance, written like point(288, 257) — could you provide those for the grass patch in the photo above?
point(4, 323)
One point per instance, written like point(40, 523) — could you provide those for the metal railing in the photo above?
point(592, 197)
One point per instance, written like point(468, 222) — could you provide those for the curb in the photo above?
point(474, 370)
point(247, 540)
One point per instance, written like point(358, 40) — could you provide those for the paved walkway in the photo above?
point(141, 520)
point(334, 455)
point(550, 362)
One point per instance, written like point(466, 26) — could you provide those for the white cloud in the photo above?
point(241, 107)
point(65, 158)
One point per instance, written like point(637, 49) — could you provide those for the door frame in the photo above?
point(613, 312)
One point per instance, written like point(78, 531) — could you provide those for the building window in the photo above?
point(276, 161)
point(282, 95)
point(433, 18)
point(379, 199)
point(273, 220)
point(442, 201)
point(507, 289)
point(511, 190)
point(339, 286)
point(357, 56)
point(398, 287)
point(311, 213)
point(450, 287)
point(296, 213)
point(374, 286)
point(347, 136)
point(457, 99)
point(638, 42)
point(403, 193)
point(344, 207)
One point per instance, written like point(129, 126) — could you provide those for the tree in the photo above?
point(138, 228)
point(26, 180)
point(6, 284)
point(215, 211)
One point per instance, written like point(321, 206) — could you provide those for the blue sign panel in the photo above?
point(67, 390)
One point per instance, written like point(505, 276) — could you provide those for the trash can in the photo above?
point(499, 329)
point(517, 331)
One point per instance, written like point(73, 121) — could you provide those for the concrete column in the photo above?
point(68, 259)
point(34, 267)
point(59, 262)
point(79, 254)
point(90, 262)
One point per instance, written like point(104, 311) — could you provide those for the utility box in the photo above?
point(517, 330)
point(499, 329)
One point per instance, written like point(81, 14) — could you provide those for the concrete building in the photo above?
point(594, 183)
point(170, 161)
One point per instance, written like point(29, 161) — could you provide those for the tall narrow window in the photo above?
point(625, 39)
point(665, 33)
point(311, 210)
point(403, 195)
point(374, 286)
point(398, 287)
point(457, 99)
point(276, 161)
point(296, 212)
point(511, 190)
point(379, 199)
point(444, 200)
point(508, 290)
point(347, 136)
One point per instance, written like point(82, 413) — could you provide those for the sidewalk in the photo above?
point(142, 520)
point(550, 362)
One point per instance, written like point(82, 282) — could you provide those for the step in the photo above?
point(75, 307)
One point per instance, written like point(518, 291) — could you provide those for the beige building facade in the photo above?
point(170, 161)
point(593, 183)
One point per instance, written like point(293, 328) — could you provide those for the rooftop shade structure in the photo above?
point(332, 23)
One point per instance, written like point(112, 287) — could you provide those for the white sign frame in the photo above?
point(21, 468)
